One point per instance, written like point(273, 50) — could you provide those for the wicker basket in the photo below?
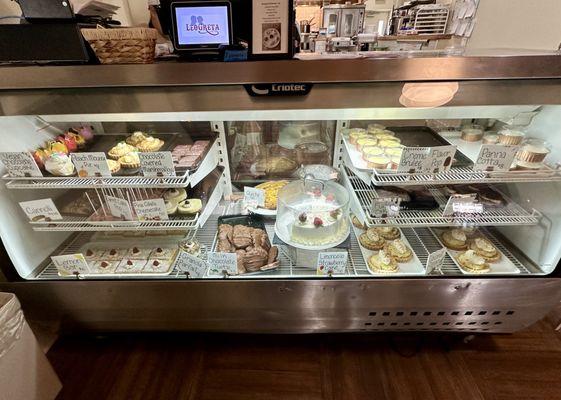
point(122, 45)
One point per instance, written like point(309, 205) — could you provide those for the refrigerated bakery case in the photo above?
point(414, 194)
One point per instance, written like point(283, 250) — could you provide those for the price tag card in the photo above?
point(414, 160)
point(40, 210)
point(71, 264)
point(192, 266)
point(331, 262)
point(440, 159)
point(159, 163)
point(119, 208)
point(20, 164)
point(384, 207)
point(435, 261)
point(150, 210)
point(253, 197)
point(223, 262)
point(495, 157)
point(458, 202)
point(91, 164)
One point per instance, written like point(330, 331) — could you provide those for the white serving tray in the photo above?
point(501, 267)
point(414, 267)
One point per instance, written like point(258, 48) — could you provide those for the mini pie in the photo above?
point(379, 162)
point(150, 144)
point(130, 161)
point(114, 166)
point(175, 195)
point(389, 232)
point(454, 239)
point(120, 150)
point(484, 248)
point(383, 263)
point(103, 267)
point(472, 262)
point(371, 240)
point(136, 138)
point(189, 206)
point(398, 251)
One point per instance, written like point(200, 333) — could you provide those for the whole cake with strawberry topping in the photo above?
point(319, 224)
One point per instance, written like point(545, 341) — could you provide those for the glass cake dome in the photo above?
point(312, 214)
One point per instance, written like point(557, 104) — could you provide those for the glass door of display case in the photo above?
point(346, 190)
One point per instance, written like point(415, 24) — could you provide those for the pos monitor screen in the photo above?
point(199, 25)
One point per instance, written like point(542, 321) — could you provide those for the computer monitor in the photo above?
point(201, 25)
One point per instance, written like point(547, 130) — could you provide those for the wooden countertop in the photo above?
point(415, 37)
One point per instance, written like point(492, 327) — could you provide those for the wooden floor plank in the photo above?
point(524, 365)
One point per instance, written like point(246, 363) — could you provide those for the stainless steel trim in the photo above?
point(325, 101)
point(482, 305)
point(319, 71)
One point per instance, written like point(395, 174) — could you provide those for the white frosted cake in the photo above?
point(319, 227)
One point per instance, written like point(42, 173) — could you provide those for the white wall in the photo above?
point(517, 24)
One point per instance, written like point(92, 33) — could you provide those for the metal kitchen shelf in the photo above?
point(455, 176)
point(422, 242)
point(184, 178)
point(83, 224)
point(363, 194)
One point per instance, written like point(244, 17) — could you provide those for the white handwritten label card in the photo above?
point(221, 263)
point(253, 197)
point(71, 264)
point(495, 157)
point(40, 210)
point(91, 164)
point(440, 159)
point(435, 261)
point(192, 266)
point(150, 210)
point(456, 201)
point(383, 207)
point(331, 262)
point(158, 163)
point(20, 164)
point(119, 208)
point(414, 159)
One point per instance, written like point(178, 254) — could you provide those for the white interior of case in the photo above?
point(540, 243)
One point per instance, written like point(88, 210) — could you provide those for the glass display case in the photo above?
point(372, 202)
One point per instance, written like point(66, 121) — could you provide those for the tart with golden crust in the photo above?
point(399, 251)
point(455, 239)
point(371, 239)
point(150, 144)
point(136, 138)
point(130, 161)
point(484, 248)
point(382, 263)
point(471, 262)
point(119, 150)
point(389, 232)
